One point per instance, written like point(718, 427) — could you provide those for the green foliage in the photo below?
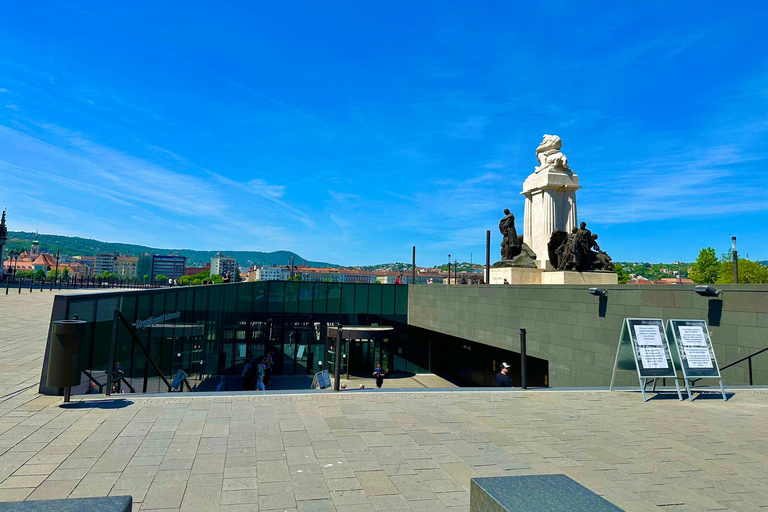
point(197, 282)
point(750, 272)
point(185, 280)
point(706, 269)
point(216, 278)
point(26, 274)
point(236, 278)
point(65, 274)
point(146, 278)
point(622, 274)
point(160, 278)
point(296, 277)
point(39, 275)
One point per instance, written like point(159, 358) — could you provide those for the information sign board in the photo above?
point(322, 380)
point(643, 345)
point(693, 352)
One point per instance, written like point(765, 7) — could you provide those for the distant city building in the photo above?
point(35, 251)
point(78, 270)
point(221, 264)
point(334, 275)
point(144, 266)
point(105, 262)
point(272, 273)
point(406, 277)
point(191, 271)
point(126, 266)
point(171, 266)
point(44, 262)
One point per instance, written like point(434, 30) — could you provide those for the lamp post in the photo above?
point(56, 272)
point(735, 261)
point(449, 269)
point(455, 271)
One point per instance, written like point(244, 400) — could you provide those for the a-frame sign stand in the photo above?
point(693, 352)
point(643, 346)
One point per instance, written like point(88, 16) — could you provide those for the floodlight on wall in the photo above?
point(707, 291)
point(601, 292)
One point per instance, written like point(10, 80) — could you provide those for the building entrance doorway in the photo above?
point(361, 349)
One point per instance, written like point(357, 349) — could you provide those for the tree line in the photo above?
point(709, 269)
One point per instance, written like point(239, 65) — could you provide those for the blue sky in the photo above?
point(350, 131)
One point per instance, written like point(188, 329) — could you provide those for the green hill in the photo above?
point(76, 246)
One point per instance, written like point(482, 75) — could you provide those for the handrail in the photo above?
point(743, 359)
point(120, 318)
point(747, 358)
point(122, 378)
point(90, 377)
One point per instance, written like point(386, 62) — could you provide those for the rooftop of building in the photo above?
point(372, 450)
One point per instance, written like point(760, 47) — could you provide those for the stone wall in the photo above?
point(578, 332)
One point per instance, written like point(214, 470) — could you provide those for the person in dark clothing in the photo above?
point(502, 378)
point(379, 374)
point(249, 376)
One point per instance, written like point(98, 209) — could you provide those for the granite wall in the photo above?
point(578, 332)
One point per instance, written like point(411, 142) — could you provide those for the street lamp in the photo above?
point(455, 271)
point(449, 269)
point(735, 261)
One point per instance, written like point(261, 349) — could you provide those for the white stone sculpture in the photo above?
point(549, 154)
point(550, 199)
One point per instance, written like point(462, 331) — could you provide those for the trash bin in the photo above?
point(63, 360)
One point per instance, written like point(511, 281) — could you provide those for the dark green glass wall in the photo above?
point(220, 325)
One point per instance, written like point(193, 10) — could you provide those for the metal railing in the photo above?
point(120, 319)
point(72, 283)
point(749, 363)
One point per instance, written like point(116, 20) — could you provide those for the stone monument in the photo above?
point(550, 199)
point(553, 249)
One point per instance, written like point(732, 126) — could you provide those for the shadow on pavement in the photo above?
point(97, 404)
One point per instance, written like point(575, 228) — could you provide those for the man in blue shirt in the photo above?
point(502, 378)
point(379, 374)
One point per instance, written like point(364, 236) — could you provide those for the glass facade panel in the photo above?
point(291, 297)
point(320, 302)
point(388, 300)
point(334, 298)
point(276, 295)
point(305, 297)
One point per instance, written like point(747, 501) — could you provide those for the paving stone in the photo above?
point(377, 451)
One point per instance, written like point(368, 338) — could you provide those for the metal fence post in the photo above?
point(523, 361)
point(337, 362)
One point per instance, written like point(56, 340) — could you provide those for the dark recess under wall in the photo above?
point(467, 363)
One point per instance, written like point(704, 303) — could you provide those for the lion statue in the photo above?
point(549, 154)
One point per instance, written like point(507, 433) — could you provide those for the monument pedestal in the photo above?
point(516, 275)
point(587, 278)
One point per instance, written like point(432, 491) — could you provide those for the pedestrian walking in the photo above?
point(502, 378)
point(267, 362)
point(260, 376)
point(379, 373)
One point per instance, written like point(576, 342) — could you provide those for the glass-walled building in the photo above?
point(209, 331)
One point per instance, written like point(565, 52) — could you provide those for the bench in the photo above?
point(111, 504)
point(537, 493)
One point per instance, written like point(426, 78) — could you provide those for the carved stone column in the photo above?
point(550, 204)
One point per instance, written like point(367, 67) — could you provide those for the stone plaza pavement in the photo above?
point(366, 450)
